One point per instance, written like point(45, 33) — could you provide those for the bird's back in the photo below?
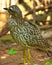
point(32, 35)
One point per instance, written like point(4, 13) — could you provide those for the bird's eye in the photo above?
point(11, 8)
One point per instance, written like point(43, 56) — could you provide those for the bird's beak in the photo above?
point(6, 8)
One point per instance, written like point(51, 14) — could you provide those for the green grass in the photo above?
point(6, 37)
point(6, 40)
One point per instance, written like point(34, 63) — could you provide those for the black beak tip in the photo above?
point(5, 8)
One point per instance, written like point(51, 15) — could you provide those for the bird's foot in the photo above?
point(21, 63)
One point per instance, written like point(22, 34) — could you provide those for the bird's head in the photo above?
point(14, 10)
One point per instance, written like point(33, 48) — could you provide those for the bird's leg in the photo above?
point(24, 56)
point(29, 56)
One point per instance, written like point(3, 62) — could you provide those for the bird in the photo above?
point(25, 34)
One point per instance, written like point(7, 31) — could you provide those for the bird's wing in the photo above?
point(32, 35)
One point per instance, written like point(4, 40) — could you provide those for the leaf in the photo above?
point(35, 64)
point(12, 51)
point(48, 63)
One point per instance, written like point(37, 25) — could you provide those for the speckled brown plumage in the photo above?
point(25, 33)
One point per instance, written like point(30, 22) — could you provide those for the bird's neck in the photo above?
point(18, 19)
